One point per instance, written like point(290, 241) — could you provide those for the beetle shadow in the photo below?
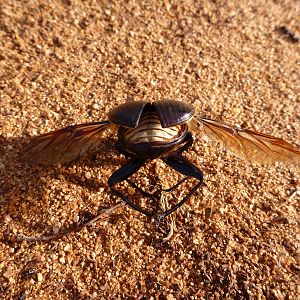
point(93, 160)
point(22, 185)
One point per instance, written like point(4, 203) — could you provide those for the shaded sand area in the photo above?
point(70, 62)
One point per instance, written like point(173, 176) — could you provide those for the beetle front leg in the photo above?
point(123, 174)
point(185, 167)
point(188, 140)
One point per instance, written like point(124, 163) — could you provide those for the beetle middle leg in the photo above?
point(188, 141)
point(131, 156)
point(185, 167)
point(124, 173)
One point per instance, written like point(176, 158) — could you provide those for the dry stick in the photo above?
point(294, 193)
point(172, 224)
point(103, 213)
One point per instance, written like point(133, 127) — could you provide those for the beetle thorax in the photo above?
point(150, 130)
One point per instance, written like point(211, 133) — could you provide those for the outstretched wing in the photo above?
point(251, 145)
point(64, 145)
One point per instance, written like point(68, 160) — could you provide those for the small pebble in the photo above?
point(55, 229)
point(39, 277)
point(62, 260)
point(131, 191)
point(88, 175)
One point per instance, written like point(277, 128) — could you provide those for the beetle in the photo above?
point(151, 130)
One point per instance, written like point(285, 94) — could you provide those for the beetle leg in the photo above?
point(189, 141)
point(171, 189)
point(123, 174)
point(121, 150)
point(139, 189)
point(185, 167)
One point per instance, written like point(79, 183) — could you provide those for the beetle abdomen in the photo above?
point(150, 130)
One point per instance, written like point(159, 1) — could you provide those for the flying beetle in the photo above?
point(152, 130)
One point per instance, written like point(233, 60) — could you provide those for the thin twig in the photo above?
point(294, 193)
point(171, 232)
point(77, 227)
point(171, 224)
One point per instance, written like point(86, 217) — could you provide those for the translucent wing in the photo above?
point(252, 145)
point(64, 145)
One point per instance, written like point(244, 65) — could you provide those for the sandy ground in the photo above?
point(69, 62)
